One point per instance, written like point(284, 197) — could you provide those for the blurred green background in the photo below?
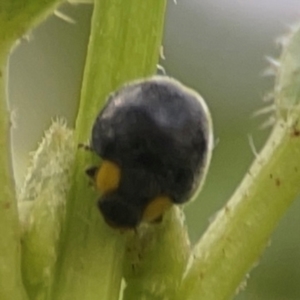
point(217, 47)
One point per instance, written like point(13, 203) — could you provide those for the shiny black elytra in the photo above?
point(156, 136)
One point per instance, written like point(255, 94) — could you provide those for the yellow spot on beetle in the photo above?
point(108, 177)
point(156, 208)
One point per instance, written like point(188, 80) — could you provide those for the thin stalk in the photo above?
point(124, 44)
point(11, 286)
point(16, 17)
point(236, 239)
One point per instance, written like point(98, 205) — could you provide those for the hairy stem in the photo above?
point(235, 240)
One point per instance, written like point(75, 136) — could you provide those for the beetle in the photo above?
point(155, 139)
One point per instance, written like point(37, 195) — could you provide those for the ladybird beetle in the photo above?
point(155, 140)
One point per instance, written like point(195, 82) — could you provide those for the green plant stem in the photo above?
point(10, 263)
point(19, 16)
point(124, 44)
point(156, 258)
point(16, 17)
point(236, 239)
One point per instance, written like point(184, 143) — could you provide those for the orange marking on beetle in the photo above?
point(108, 177)
point(156, 208)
